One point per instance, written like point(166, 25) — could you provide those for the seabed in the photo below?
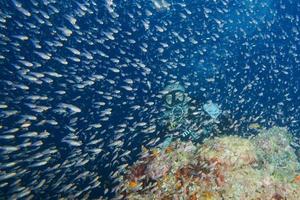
point(229, 167)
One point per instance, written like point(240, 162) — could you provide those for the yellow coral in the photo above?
point(207, 195)
point(155, 152)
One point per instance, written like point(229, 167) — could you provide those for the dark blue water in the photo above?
point(250, 48)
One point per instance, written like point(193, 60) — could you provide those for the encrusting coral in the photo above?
point(229, 167)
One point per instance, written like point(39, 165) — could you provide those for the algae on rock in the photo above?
point(229, 167)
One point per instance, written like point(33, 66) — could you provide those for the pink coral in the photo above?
point(158, 167)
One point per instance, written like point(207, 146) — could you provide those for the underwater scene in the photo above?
point(150, 99)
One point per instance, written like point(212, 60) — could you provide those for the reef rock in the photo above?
point(229, 167)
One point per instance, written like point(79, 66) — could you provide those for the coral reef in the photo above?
point(275, 153)
point(229, 167)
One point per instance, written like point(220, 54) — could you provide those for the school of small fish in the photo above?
point(80, 81)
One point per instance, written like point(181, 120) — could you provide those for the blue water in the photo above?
point(238, 43)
